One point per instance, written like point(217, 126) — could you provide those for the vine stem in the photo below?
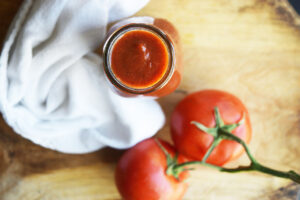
point(221, 132)
point(255, 165)
point(211, 148)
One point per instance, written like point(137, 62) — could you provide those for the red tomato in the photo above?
point(141, 173)
point(199, 106)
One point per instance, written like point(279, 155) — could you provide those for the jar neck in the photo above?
point(107, 54)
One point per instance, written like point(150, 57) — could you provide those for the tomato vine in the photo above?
point(223, 132)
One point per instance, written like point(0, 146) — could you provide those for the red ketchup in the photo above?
point(143, 59)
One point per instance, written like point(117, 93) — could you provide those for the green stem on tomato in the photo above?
point(221, 132)
point(211, 148)
point(229, 136)
point(185, 164)
point(171, 170)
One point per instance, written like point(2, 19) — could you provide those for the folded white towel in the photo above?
point(52, 87)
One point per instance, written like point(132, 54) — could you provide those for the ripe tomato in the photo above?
point(199, 106)
point(141, 173)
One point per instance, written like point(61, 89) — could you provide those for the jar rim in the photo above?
point(109, 44)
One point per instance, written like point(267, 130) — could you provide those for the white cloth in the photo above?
point(52, 87)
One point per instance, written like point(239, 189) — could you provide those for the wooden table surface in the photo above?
point(250, 48)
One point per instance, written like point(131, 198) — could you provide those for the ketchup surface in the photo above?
point(139, 59)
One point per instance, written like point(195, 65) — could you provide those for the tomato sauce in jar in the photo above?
point(142, 59)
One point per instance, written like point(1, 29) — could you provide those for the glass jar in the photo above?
point(143, 59)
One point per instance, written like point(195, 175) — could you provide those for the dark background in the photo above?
point(296, 4)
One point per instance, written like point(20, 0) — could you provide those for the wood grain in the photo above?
point(249, 48)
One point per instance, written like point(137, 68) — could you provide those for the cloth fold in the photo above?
point(52, 86)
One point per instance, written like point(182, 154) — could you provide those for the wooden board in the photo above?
point(250, 48)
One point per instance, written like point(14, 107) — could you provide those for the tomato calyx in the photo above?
point(173, 167)
point(219, 132)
